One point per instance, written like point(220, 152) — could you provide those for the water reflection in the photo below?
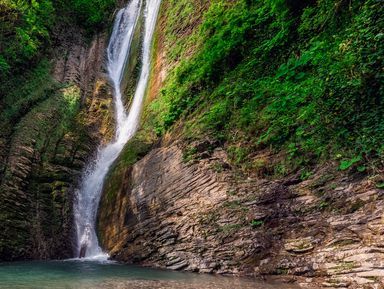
point(87, 275)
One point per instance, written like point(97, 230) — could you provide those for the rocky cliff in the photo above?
point(47, 145)
point(188, 202)
point(202, 215)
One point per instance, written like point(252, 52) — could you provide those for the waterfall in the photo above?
point(89, 193)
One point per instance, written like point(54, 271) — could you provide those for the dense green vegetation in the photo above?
point(92, 14)
point(25, 27)
point(303, 77)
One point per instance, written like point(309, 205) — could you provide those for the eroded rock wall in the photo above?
point(48, 147)
point(204, 216)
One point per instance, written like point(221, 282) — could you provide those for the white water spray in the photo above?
point(88, 196)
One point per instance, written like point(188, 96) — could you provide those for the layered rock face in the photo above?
point(201, 215)
point(49, 146)
point(186, 207)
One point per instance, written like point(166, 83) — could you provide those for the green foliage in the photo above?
point(305, 78)
point(25, 81)
point(189, 154)
point(346, 164)
point(323, 205)
point(380, 185)
point(25, 27)
point(92, 13)
point(256, 223)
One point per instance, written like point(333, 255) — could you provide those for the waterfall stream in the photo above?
point(89, 193)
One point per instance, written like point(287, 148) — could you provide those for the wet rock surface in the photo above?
point(47, 149)
point(188, 215)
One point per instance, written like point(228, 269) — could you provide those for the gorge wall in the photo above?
point(260, 148)
point(192, 192)
point(48, 144)
point(204, 216)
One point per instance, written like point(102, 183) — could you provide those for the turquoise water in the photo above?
point(77, 274)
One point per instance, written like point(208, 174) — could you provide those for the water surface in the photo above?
point(85, 274)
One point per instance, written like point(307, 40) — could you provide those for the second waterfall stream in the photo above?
point(89, 193)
